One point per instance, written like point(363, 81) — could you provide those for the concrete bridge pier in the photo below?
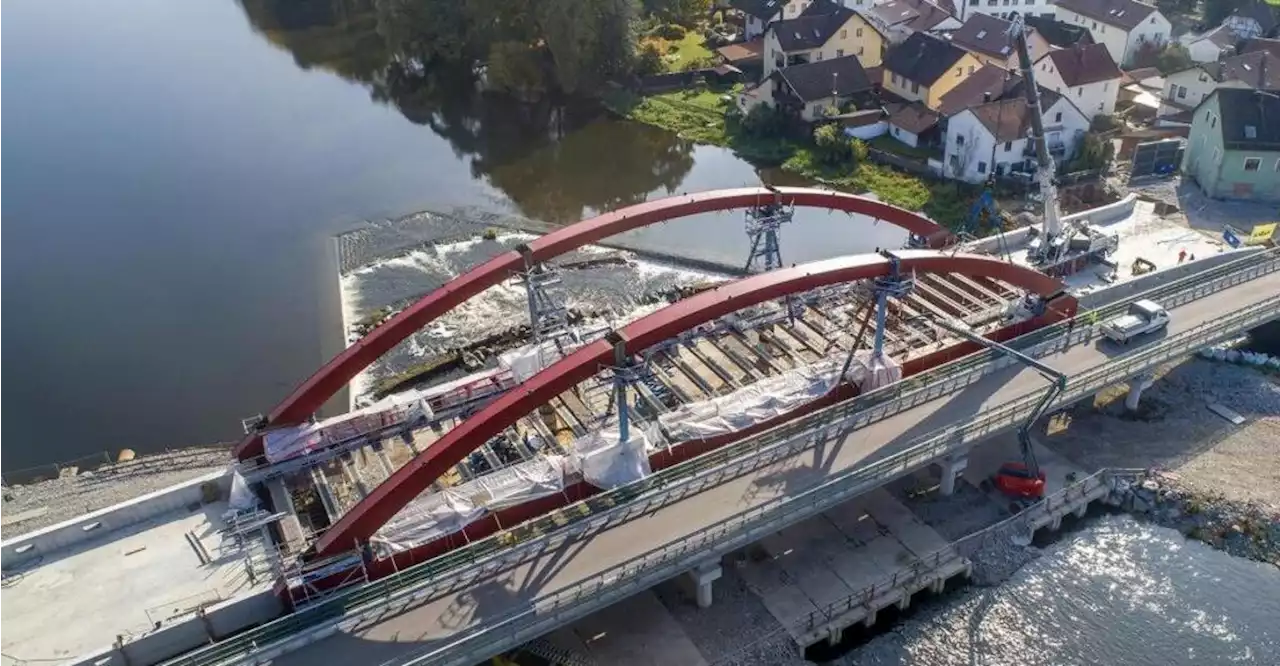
point(702, 577)
point(1136, 386)
point(952, 467)
point(290, 528)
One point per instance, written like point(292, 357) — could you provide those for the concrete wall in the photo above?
point(219, 621)
point(1105, 214)
point(1135, 286)
point(28, 547)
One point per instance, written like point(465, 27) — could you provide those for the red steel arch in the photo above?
point(367, 516)
point(329, 379)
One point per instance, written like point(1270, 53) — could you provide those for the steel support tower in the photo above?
point(762, 224)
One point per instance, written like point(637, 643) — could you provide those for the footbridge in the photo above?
point(496, 593)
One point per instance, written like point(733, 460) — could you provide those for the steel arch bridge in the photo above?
point(338, 372)
point(364, 519)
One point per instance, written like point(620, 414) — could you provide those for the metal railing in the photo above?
point(565, 605)
point(481, 558)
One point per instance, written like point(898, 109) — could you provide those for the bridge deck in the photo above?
point(436, 623)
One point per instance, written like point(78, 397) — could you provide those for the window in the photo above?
point(860, 50)
point(1152, 21)
point(970, 69)
point(1213, 121)
point(1250, 132)
point(897, 132)
point(1008, 145)
point(982, 167)
point(1015, 3)
point(915, 88)
point(973, 3)
point(1057, 117)
point(1217, 156)
point(1106, 85)
point(959, 72)
point(1203, 78)
point(1252, 163)
point(1080, 91)
point(959, 139)
point(844, 34)
point(1095, 26)
point(857, 33)
point(1029, 2)
point(839, 53)
point(1182, 92)
point(992, 3)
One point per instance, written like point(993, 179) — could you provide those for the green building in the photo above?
point(1233, 151)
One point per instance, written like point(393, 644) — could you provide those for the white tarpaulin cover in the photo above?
point(775, 396)
point(607, 462)
point(288, 443)
point(525, 362)
point(434, 515)
point(241, 498)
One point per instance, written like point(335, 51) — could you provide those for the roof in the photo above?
point(809, 31)
point(1007, 119)
point(1126, 14)
point(817, 80)
point(989, 80)
point(761, 9)
point(985, 34)
point(917, 15)
point(742, 51)
point(914, 117)
point(1221, 37)
point(1260, 12)
point(1059, 33)
point(1081, 65)
point(1260, 69)
point(922, 58)
point(1141, 74)
point(1250, 118)
point(1260, 44)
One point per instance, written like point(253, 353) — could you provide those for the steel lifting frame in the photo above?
point(762, 224)
point(548, 317)
point(893, 285)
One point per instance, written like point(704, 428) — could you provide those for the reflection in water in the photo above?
point(556, 159)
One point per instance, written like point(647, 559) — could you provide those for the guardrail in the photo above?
point(601, 511)
point(576, 600)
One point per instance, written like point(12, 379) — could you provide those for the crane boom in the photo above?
point(1045, 172)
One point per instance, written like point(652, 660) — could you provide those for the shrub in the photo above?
point(858, 150)
point(669, 31)
point(490, 234)
point(832, 146)
point(650, 61)
point(764, 121)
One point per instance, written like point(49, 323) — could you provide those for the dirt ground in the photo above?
point(1173, 429)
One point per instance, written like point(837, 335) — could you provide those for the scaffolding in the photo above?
point(762, 224)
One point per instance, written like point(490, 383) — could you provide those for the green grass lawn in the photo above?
point(690, 49)
point(891, 145)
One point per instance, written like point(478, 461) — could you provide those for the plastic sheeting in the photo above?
point(527, 361)
point(775, 396)
point(300, 440)
point(241, 498)
point(606, 462)
point(436, 514)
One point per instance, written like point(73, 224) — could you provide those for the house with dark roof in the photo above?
point(1211, 45)
point(815, 90)
point(924, 68)
point(1254, 19)
point(995, 136)
point(1186, 89)
point(758, 14)
point(1261, 44)
point(899, 19)
point(1059, 34)
point(914, 124)
point(1233, 149)
point(987, 38)
point(1086, 74)
point(822, 31)
point(1124, 26)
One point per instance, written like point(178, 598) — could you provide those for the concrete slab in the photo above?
point(636, 632)
point(909, 530)
point(120, 584)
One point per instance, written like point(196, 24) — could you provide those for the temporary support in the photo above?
point(893, 285)
point(1136, 386)
point(762, 223)
point(702, 577)
point(952, 467)
point(621, 361)
point(548, 316)
point(326, 493)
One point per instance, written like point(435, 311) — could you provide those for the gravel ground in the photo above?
point(1173, 429)
point(1198, 211)
point(75, 494)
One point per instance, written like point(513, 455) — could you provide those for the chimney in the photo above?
point(986, 98)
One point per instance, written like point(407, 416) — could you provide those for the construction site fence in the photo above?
point(464, 565)
point(568, 604)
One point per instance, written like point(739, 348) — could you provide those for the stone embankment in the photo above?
point(1243, 529)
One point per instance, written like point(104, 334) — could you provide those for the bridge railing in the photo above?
point(465, 565)
point(553, 610)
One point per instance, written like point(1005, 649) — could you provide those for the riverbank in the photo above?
point(705, 115)
point(29, 507)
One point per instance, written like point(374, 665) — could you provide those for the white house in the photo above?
point(1124, 26)
point(899, 19)
point(1212, 45)
point(1184, 90)
point(1003, 8)
point(821, 32)
point(1084, 74)
point(996, 137)
point(1255, 19)
point(760, 13)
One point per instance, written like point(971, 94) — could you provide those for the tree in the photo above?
point(684, 12)
point(1174, 57)
point(1216, 11)
point(649, 61)
point(1093, 152)
point(764, 121)
point(833, 147)
point(517, 69)
point(858, 150)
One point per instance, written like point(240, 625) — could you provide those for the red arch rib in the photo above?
point(335, 374)
point(366, 517)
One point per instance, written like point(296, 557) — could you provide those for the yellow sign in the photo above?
point(1262, 233)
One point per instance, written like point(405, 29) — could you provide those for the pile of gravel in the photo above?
point(76, 493)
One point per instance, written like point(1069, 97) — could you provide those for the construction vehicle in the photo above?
point(1022, 480)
